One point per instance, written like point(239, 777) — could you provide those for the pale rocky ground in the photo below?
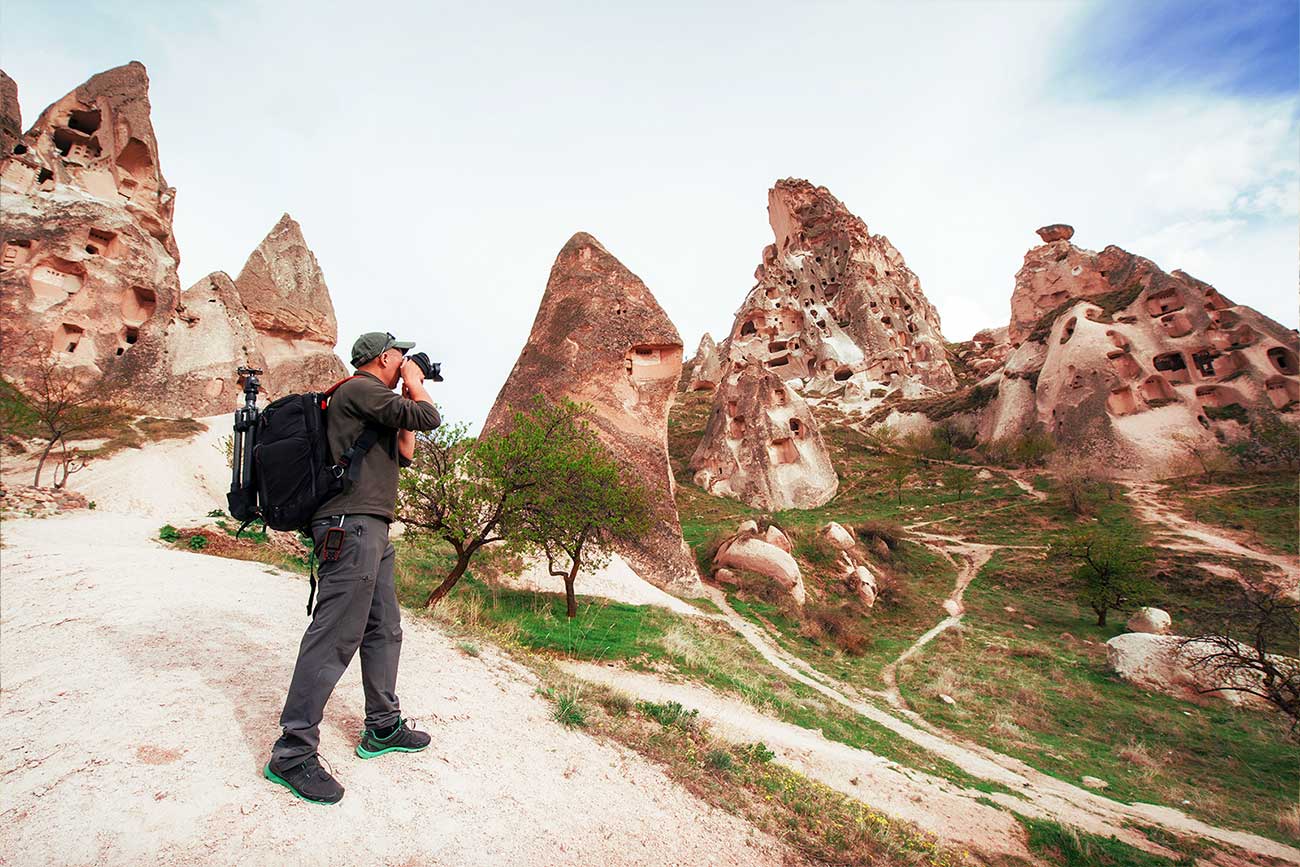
point(142, 687)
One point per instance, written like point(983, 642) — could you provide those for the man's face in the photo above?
point(390, 362)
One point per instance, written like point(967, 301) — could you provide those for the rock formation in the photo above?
point(284, 291)
point(1183, 667)
point(761, 444)
point(88, 265)
point(1153, 620)
point(835, 307)
point(763, 554)
point(601, 338)
point(89, 261)
point(1116, 358)
point(705, 369)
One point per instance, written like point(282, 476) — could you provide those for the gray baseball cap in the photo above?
point(374, 343)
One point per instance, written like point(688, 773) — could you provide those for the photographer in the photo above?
point(357, 606)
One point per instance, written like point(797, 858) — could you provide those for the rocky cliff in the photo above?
point(88, 265)
point(601, 338)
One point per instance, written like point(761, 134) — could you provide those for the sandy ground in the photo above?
point(141, 688)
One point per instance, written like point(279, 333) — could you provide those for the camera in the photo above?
point(430, 369)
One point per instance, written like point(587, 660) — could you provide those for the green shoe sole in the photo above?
point(364, 753)
point(276, 778)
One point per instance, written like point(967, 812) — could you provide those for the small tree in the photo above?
point(580, 502)
point(1272, 442)
point(1111, 571)
point(1266, 622)
point(958, 480)
point(1078, 477)
point(62, 403)
point(1202, 454)
point(467, 492)
point(898, 469)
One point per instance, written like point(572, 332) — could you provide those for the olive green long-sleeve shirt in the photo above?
point(356, 402)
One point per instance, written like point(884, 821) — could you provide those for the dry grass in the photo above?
point(1288, 821)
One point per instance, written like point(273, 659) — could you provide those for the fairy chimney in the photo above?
point(601, 338)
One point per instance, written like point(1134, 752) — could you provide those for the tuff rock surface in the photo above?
point(705, 369)
point(88, 264)
point(601, 338)
point(761, 444)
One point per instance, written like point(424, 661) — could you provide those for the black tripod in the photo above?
point(242, 498)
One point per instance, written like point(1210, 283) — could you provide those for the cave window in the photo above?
point(1068, 331)
point(132, 335)
point(748, 328)
point(843, 374)
point(20, 149)
point(1204, 361)
point(779, 361)
point(1283, 359)
point(84, 121)
point(796, 427)
point(43, 175)
point(120, 350)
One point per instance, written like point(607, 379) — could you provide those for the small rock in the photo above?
point(1095, 783)
point(747, 527)
point(725, 576)
point(1150, 620)
point(774, 536)
point(1029, 626)
point(838, 536)
point(1056, 232)
point(947, 699)
point(1009, 609)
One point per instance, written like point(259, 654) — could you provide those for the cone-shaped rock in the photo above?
point(11, 119)
point(601, 338)
point(762, 446)
point(88, 263)
point(705, 369)
point(284, 291)
point(1130, 365)
point(834, 303)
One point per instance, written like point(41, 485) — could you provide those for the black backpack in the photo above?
point(292, 473)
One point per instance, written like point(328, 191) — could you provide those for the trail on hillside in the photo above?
point(141, 690)
point(1192, 535)
point(973, 557)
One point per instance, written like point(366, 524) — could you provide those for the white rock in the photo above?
point(838, 536)
point(1152, 620)
point(947, 699)
point(764, 558)
point(774, 536)
point(1095, 783)
point(1168, 664)
point(747, 527)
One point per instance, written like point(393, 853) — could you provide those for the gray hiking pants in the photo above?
point(356, 607)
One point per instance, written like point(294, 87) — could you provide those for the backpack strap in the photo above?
point(350, 460)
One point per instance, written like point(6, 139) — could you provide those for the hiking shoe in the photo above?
point(307, 780)
point(403, 739)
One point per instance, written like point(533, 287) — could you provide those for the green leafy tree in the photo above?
point(466, 491)
point(898, 469)
point(580, 502)
point(958, 480)
point(1111, 568)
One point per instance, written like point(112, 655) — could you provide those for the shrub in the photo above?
point(758, 752)
point(669, 713)
point(91, 505)
point(568, 712)
point(719, 760)
point(168, 533)
point(812, 548)
point(843, 625)
point(1232, 412)
point(217, 513)
point(891, 534)
point(198, 541)
point(468, 648)
point(617, 703)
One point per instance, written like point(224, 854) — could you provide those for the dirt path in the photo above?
point(1192, 535)
point(141, 688)
point(950, 812)
point(1036, 794)
point(973, 557)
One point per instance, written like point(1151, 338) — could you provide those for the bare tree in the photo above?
point(1266, 622)
point(61, 401)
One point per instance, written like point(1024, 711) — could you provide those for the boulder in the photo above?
point(1152, 620)
point(747, 527)
point(764, 558)
point(774, 536)
point(1056, 232)
point(838, 536)
point(1177, 666)
point(862, 582)
point(1094, 783)
point(762, 446)
point(601, 338)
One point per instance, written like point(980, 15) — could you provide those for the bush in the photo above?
point(1232, 412)
point(758, 752)
point(669, 713)
point(568, 712)
point(842, 625)
point(617, 703)
point(168, 533)
point(812, 548)
point(719, 760)
point(891, 534)
point(217, 513)
point(198, 542)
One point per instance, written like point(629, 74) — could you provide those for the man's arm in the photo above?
point(391, 410)
point(405, 438)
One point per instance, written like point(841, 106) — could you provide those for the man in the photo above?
point(357, 606)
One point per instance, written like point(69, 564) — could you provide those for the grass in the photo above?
point(1261, 506)
point(1073, 848)
point(1047, 696)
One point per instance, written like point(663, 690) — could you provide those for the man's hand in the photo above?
point(413, 383)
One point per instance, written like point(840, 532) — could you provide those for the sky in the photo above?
point(438, 156)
